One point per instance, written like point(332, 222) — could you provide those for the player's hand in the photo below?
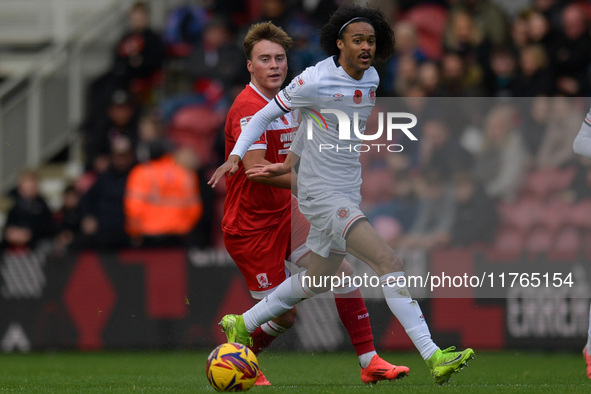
point(266, 170)
point(230, 167)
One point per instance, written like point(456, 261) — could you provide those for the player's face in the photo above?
point(268, 67)
point(358, 46)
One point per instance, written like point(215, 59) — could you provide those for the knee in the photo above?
point(390, 262)
point(288, 319)
point(345, 269)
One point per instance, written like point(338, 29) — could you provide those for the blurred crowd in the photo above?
point(153, 129)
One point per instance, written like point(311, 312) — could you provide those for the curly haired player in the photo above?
point(262, 224)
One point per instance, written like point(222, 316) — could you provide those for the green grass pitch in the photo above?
point(183, 372)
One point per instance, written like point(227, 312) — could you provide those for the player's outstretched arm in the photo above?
point(229, 167)
point(271, 170)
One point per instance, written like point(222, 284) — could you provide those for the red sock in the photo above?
point(261, 339)
point(355, 318)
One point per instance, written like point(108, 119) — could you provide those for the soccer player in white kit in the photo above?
point(582, 146)
point(329, 180)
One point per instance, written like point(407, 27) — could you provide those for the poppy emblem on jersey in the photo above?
point(357, 96)
point(343, 213)
point(372, 94)
point(263, 281)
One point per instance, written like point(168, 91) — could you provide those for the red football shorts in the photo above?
point(261, 256)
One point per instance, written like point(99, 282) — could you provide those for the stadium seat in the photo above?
point(538, 242)
point(563, 178)
point(539, 183)
point(509, 244)
point(197, 127)
point(430, 21)
point(580, 214)
point(553, 215)
point(566, 245)
point(521, 216)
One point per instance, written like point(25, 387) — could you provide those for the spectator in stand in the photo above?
point(570, 54)
point(535, 124)
point(539, 31)
point(580, 186)
point(552, 10)
point(429, 79)
point(406, 48)
point(465, 39)
point(500, 80)
point(217, 57)
point(151, 138)
point(140, 52)
point(456, 82)
point(402, 208)
point(435, 216)
point(101, 207)
point(501, 162)
point(120, 120)
point(520, 32)
point(476, 217)
point(67, 221)
point(406, 76)
point(29, 221)
point(556, 149)
point(438, 149)
point(489, 18)
point(162, 200)
point(535, 78)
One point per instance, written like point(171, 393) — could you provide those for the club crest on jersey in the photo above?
point(338, 97)
point(263, 281)
point(372, 94)
point(343, 213)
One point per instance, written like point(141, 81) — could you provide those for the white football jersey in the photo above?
point(329, 164)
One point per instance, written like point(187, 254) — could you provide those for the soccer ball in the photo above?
point(232, 367)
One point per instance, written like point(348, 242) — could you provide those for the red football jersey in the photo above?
point(252, 206)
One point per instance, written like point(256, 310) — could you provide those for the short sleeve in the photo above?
point(301, 91)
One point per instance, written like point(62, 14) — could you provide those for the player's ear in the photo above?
point(249, 66)
point(340, 44)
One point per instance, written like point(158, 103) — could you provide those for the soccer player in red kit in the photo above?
point(257, 221)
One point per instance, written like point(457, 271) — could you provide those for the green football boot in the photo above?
point(235, 330)
point(446, 362)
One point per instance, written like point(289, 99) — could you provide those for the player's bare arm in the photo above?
point(229, 167)
point(256, 159)
point(272, 170)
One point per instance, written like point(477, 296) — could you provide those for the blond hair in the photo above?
point(265, 31)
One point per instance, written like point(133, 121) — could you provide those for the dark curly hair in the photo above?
point(384, 34)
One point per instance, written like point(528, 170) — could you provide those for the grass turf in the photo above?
point(183, 372)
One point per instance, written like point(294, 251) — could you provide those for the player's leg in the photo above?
point(587, 349)
point(366, 244)
point(355, 318)
point(263, 268)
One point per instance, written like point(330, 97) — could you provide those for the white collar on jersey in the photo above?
point(258, 91)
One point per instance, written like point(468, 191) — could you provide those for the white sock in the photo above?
point(408, 313)
point(285, 296)
point(273, 328)
point(589, 334)
point(365, 358)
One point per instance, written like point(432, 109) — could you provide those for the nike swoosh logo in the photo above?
point(453, 361)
